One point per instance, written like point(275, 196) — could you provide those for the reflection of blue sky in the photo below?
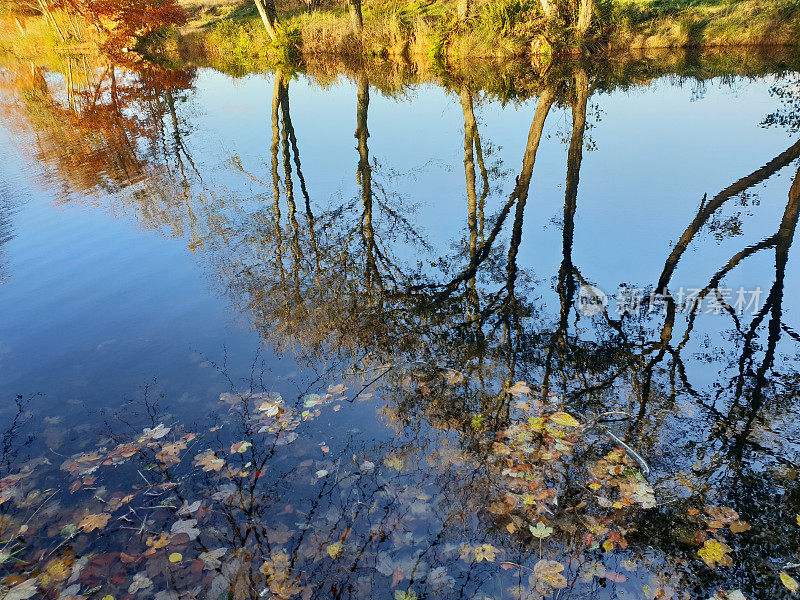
point(81, 276)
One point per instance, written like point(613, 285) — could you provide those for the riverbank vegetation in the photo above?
point(425, 32)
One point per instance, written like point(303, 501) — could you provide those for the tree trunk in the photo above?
point(463, 9)
point(356, 19)
point(584, 17)
point(548, 8)
point(266, 9)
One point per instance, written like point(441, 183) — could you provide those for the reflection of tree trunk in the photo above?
point(276, 101)
point(356, 19)
point(518, 195)
point(566, 282)
point(470, 132)
point(365, 179)
point(266, 9)
point(705, 212)
point(785, 236)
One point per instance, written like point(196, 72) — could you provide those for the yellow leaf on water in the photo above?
point(549, 571)
point(714, 552)
point(798, 520)
point(608, 545)
point(240, 447)
point(486, 552)
point(789, 581)
point(564, 419)
point(335, 550)
point(175, 557)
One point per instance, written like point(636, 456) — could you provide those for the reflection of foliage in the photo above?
point(468, 475)
point(788, 116)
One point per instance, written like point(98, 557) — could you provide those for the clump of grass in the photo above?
point(503, 16)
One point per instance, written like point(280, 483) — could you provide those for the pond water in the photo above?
point(367, 333)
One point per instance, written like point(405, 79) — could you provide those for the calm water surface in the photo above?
point(370, 336)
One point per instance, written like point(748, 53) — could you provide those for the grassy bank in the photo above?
point(429, 32)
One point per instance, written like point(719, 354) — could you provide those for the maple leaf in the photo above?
point(158, 542)
point(789, 582)
point(211, 559)
point(714, 552)
point(739, 526)
point(140, 582)
point(170, 454)
point(486, 552)
point(209, 461)
point(187, 526)
point(541, 530)
point(549, 573)
point(92, 522)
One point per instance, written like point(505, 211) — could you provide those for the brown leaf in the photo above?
point(92, 522)
point(398, 576)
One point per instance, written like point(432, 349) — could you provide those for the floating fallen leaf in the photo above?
point(325, 449)
point(739, 526)
point(337, 389)
point(564, 419)
point(541, 530)
point(789, 582)
point(714, 552)
point(92, 522)
point(209, 461)
point(519, 389)
point(140, 582)
point(549, 572)
point(211, 559)
point(486, 552)
point(615, 577)
point(335, 550)
point(175, 557)
point(397, 576)
point(156, 433)
point(187, 526)
point(321, 473)
point(21, 591)
point(240, 447)
point(158, 542)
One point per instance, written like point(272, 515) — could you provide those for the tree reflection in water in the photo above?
point(573, 451)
